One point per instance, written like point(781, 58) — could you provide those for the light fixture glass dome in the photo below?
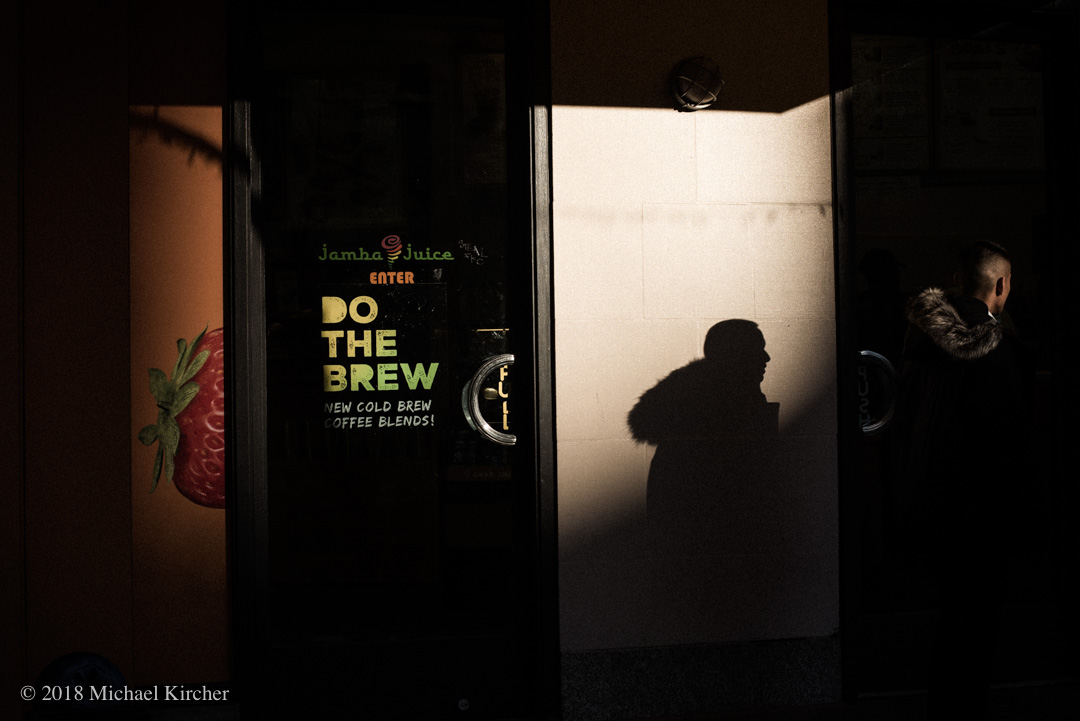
point(696, 83)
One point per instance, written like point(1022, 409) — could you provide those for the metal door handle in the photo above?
point(869, 425)
point(470, 401)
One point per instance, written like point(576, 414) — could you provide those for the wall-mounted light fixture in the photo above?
point(696, 83)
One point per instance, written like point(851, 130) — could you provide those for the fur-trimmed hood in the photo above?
point(934, 314)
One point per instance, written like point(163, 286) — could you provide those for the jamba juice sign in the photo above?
point(379, 368)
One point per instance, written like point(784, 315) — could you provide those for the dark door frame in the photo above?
point(841, 113)
point(529, 156)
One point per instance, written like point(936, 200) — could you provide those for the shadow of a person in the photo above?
point(708, 503)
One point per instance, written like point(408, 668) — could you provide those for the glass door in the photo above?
point(396, 558)
point(957, 133)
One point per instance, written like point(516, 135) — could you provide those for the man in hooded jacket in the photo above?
point(961, 410)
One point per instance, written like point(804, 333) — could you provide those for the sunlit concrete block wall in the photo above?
point(664, 224)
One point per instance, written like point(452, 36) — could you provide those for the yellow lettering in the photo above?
point(334, 378)
point(354, 309)
point(419, 375)
point(361, 376)
point(332, 338)
point(503, 372)
point(387, 377)
point(352, 344)
point(333, 309)
point(385, 342)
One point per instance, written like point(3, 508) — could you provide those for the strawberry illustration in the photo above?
point(191, 420)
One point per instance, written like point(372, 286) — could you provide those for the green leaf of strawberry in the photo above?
point(159, 386)
point(172, 396)
point(184, 396)
point(148, 435)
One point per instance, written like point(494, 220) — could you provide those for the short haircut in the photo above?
point(978, 269)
